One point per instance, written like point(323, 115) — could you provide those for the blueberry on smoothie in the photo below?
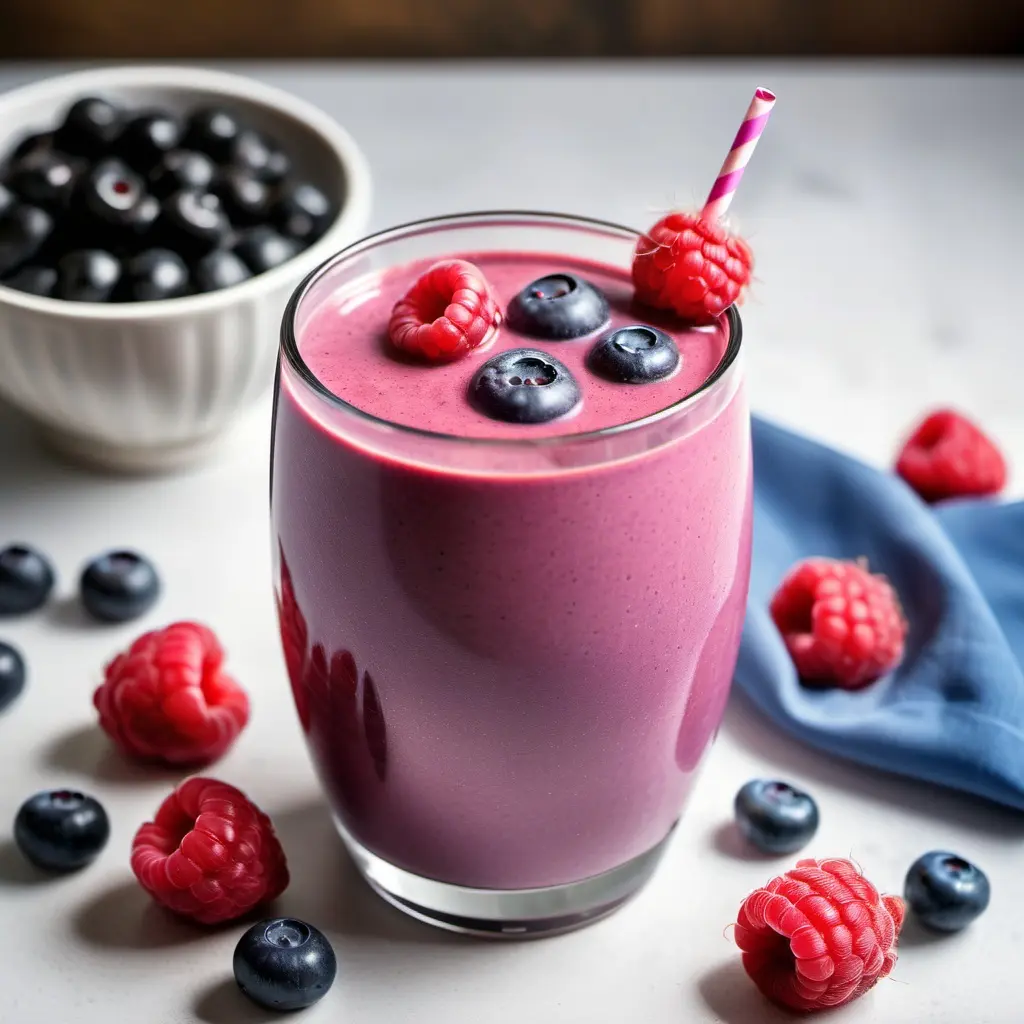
point(558, 307)
point(774, 816)
point(946, 892)
point(524, 385)
point(12, 674)
point(26, 579)
point(118, 586)
point(61, 830)
point(637, 354)
point(284, 964)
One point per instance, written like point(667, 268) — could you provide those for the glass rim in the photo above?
point(290, 349)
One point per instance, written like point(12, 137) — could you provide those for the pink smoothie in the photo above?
point(508, 674)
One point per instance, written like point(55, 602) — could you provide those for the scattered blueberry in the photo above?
point(148, 138)
point(26, 579)
point(245, 197)
point(35, 280)
point(12, 674)
point(110, 194)
point(256, 154)
point(302, 212)
point(213, 131)
point(61, 830)
point(182, 168)
point(45, 178)
point(261, 248)
point(634, 355)
point(284, 964)
point(118, 586)
point(946, 892)
point(558, 307)
point(153, 275)
point(87, 275)
point(774, 816)
point(23, 230)
point(524, 385)
point(195, 222)
point(89, 128)
point(219, 269)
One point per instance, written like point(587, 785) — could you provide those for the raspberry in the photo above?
point(448, 312)
point(818, 936)
point(841, 623)
point(948, 456)
point(692, 266)
point(210, 854)
point(166, 698)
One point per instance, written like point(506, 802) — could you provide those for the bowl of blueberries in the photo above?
point(153, 223)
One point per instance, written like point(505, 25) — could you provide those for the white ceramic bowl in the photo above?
point(148, 386)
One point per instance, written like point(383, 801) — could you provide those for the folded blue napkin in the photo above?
point(953, 712)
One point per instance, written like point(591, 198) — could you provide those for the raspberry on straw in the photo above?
point(688, 262)
point(818, 936)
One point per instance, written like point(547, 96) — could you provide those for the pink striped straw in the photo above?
point(729, 176)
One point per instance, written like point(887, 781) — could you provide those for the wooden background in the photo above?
point(111, 29)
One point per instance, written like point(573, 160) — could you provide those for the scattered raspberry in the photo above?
point(448, 312)
point(167, 698)
point(947, 456)
point(692, 266)
point(211, 855)
point(841, 623)
point(818, 936)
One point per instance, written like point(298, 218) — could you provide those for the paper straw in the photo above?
point(743, 145)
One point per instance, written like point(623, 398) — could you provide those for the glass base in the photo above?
point(504, 913)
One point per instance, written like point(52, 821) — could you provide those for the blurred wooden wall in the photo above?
point(111, 29)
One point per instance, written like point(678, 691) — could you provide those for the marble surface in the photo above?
point(885, 204)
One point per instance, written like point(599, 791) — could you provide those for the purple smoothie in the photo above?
point(509, 660)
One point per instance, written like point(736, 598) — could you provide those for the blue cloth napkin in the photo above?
point(953, 712)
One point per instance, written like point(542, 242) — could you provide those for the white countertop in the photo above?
point(886, 207)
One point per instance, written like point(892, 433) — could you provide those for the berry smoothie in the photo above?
point(510, 642)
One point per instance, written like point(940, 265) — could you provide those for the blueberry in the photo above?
point(774, 816)
point(90, 127)
point(558, 307)
point(524, 385)
point(87, 275)
point(45, 178)
point(245, 197)
point(147, 138)
point(284, 964)
point(23, 231)
point(262, 248)
point(194, 222)
point(142, 221)
point(12, 674)
point(109, 195)
point(61, 830)
point(26, 579)
point(634, 355)
point(946, 892)
point(179, 169)
point(36, 142)
point(219, 269)
point(256, 154)
point(152, 275)
point(302, 212)
point(213, 131)
point(118, 586)
point(35, 280)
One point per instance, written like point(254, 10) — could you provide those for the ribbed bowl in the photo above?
point(149, 386)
